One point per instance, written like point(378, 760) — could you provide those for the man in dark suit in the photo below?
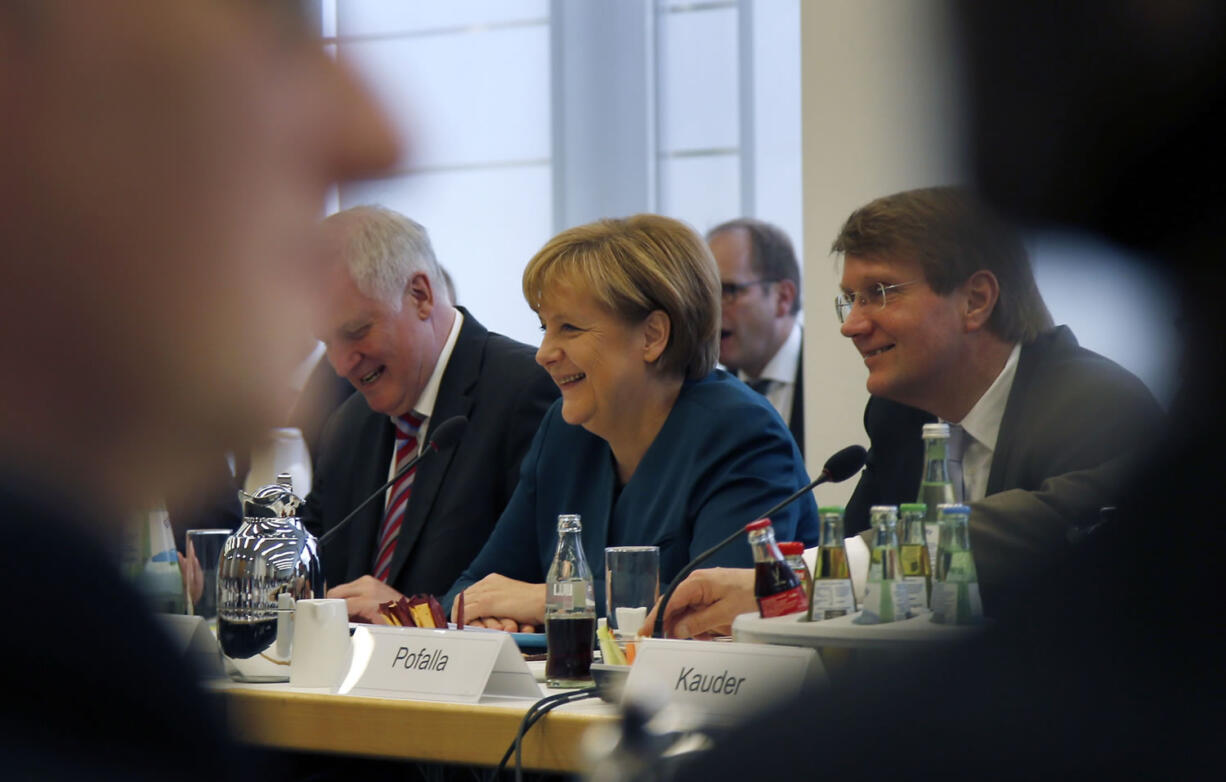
point(417, 360)
point(760, 338)
point(940, 300)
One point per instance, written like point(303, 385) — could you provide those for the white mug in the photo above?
point(321, 643)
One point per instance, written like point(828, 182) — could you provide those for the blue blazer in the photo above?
point(723, 457)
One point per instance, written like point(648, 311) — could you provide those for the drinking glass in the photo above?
point(632, 584)
point(203, 553)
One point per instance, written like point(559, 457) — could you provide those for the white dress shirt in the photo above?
point(425, 402)
point(781, 372)
point(982, 425)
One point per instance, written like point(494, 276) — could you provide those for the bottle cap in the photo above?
point(823, 510)
point(756, 525)
point(913, 507)
point(946, 510)
point(936, 430)
point(792, 548)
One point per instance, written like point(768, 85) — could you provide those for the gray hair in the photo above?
point(384, 249)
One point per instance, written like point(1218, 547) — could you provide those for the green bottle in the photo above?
point(955, 595)
point(832, 592)
point(935, 487)
point(885, 595)
point(913, 555)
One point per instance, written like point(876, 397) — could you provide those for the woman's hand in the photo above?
point(362, 598)
point(503, 604)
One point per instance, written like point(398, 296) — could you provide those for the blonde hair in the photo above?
point(632, 267)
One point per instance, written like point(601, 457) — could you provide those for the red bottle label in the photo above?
point(788, 602)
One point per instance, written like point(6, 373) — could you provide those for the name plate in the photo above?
point(459, 666)
point(723, 681)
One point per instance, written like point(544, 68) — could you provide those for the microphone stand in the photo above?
point(430, 448)
point(446, 436)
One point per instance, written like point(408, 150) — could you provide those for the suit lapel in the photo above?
point(454, 398)
point(796, 422)
point(1008, 456)
point(1005, 455)
point(373, 451)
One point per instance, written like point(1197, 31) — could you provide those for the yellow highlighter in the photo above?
point(608, 647)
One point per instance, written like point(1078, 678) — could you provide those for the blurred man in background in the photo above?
point(760, 335)
point(162, 167)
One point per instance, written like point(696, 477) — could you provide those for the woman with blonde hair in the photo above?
point(650, 443)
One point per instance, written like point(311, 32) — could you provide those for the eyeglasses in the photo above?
point(731, 291)
point(874, 296)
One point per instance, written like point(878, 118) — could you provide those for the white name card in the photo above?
point(461, 666)
point(723, 681)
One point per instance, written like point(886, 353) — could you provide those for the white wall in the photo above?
point(878, 117)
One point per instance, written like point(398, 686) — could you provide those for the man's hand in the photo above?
point(193, 574)
point(503, 604)
point(363, 597)
point(705, 604)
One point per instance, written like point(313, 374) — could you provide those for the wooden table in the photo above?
point(276, 716)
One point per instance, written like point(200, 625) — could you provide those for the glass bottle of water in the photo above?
point(570, 610)
point(885, 595)
point(832, 591)
point(913, 555)
point(955, 595)
point(935, 487)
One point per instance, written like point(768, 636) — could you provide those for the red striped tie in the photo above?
point(406, 448)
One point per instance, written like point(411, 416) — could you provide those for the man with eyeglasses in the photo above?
point(760, 335)
point(939, 299)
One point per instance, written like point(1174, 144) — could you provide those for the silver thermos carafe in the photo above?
point(267, 564)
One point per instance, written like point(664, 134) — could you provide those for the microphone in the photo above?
point(839, 467)
point(842, 465)
point(445, 436)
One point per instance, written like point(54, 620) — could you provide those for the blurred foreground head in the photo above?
point(162, 171)
point(1104, 115)
point(1107, 116)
